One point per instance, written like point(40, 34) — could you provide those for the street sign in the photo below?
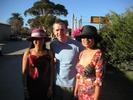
point(99, 19)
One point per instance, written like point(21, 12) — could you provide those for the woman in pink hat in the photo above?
point(37, 67)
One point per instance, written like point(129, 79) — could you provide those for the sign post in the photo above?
point(99, 20)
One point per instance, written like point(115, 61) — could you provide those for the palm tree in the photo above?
point(16, 22)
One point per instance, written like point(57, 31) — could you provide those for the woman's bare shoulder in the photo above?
point(27, 51)
point(97, 50)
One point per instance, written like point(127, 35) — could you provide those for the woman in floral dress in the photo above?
point(89, 67)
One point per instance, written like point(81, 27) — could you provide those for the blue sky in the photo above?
point(84, 8)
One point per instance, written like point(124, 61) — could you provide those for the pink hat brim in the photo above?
point(46, 39)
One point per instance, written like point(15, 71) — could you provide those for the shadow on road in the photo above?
point(11, 87)
point(116, 86)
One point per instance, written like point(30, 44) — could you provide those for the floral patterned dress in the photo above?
point(89, 76)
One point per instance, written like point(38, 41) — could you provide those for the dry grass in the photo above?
point(129, 75)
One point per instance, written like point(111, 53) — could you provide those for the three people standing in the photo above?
point(77, 71)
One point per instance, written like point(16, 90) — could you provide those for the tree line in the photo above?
point(117, 39)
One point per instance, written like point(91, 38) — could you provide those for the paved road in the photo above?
point(11, 87)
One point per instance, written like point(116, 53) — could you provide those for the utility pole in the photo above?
point(80, 22)
point(76, 24)
point(73, 18)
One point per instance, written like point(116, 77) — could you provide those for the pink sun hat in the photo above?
point(38, 33)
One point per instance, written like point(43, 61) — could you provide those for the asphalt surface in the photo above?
point(11, 87)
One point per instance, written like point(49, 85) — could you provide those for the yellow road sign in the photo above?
point(99, 19)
